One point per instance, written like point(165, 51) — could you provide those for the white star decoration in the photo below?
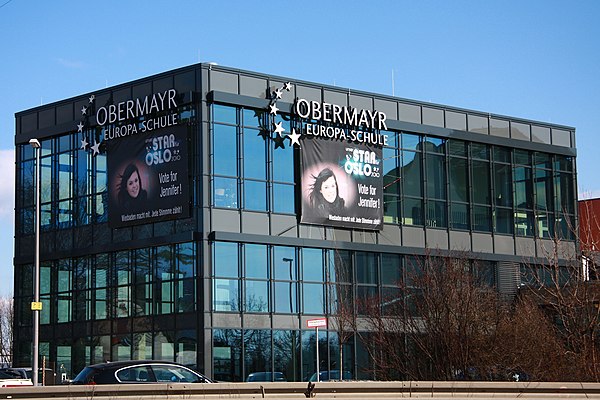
point(278, 93)
point(83, 110)
point(288, 86)
point(273, 108)
point(279, 129)
point(96, 147)
point(80, 126)
point(92, 98)
point(294, 137)
point(84, 143)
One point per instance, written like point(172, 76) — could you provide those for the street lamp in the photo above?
point(36, 306)
point(290, 261)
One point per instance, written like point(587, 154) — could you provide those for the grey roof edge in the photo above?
point(383, 96)
point(212, 66)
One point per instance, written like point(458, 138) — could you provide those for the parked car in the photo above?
point(266, 377)
point(8, 379)
point(46, 375)
point(137, 371)
point(333, 375)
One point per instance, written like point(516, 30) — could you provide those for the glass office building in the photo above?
point(220, 264)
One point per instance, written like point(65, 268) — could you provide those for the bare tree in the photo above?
point(6, 329)
point(444, 323)
point(341, 304)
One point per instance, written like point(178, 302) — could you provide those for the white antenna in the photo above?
point(393, 91)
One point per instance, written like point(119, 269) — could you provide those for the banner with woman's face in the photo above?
point(148, 177)
point(342, 183)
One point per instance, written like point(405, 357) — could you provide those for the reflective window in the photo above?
point(226, 259)
point(225, 150)
point(312, 265)
point(256, 261)
point(255, 195)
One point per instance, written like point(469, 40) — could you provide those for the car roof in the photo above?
point(121, 364)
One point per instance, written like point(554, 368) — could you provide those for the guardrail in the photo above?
point(321, 390)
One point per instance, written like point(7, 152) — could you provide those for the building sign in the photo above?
point(148, 177)
point(342, 183)
point(117, 120)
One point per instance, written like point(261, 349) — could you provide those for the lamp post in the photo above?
point(36, 306)
point(290, 261)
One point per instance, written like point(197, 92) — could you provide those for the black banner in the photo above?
point(341, 183)
point(148, 177)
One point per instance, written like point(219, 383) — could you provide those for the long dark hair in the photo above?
point(129, 170)
point(315, 197)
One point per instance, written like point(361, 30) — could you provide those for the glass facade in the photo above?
point(229, 289)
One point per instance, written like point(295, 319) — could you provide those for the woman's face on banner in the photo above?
point(329, 189)
point(133, 184)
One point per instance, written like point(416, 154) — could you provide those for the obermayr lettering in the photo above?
point(336, 114)
point(130, 109)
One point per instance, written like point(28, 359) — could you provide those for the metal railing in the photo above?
point(320, 390)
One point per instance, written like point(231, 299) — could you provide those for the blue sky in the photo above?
point(537, 60)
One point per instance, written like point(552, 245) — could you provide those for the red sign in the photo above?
point(316, 323)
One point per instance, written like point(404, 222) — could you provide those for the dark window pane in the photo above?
point(411, 174)
point(227, 355)
point(482, 220)
point(458, 180)
point(413, 211)
point(436, 177)
point(436, 214)
point(522, 157)
point(543, 160)
point(391, 269)
point(435, 145)
point(391, 207)
point(504, 220)
point(457, 148)
point(501, 154)
point(543, 189)
point(459, 216)
point(503, 185)
point(340, 266)
point(481, 151)
point(524, 223)
point(481, 182)
point(545, 224)
point(366, 268)
point(523, 187)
